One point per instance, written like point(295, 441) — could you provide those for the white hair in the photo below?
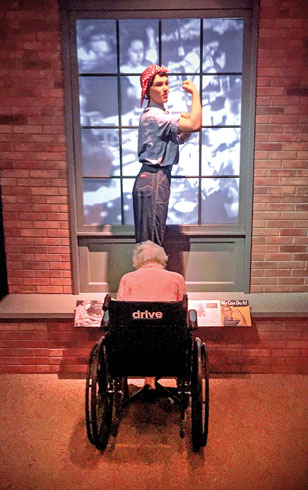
point(149, 252)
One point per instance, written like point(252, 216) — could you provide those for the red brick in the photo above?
point(278, 256)
point(277, 289)
point(300, 361)
point(278, 239)
point(277, 272)
point(292, 232)
point(34, 361)
point(282, 189)
point(256, 352)
point(73, 368)
point(55, 352)
point(283, 137)
point(291, 265)
point(297, 344)
point(49, 290)
point(274, 223)
point(286, 369)
point(300, 272)
point(18, 369)
point(265, 249)
point(262, 280)
point(257, 273)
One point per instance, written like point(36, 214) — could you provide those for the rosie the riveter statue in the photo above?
point(159, 137)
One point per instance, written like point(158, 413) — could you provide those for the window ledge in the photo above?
point(60, 306)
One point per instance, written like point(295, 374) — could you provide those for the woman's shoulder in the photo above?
point(175, 275)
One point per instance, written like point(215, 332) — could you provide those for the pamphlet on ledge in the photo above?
point(88, 313)
point(221, 313)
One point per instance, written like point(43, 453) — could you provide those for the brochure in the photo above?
point(88, 313)
point(221, 313)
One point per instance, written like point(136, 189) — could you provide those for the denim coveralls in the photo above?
point(158, 150)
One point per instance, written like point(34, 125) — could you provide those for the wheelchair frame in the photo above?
point(107, 390)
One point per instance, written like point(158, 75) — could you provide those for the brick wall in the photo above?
point(33, 160)
point(271, 345)
point(280, 220)
point(33, 151)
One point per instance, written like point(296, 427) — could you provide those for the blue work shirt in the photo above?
point(159, 136)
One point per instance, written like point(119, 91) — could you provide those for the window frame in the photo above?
point(71, 10)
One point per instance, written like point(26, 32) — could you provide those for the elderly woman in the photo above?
point(151, 282)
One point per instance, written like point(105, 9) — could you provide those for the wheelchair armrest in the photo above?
point(192, 320)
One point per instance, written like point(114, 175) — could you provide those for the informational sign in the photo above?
point(221, 313)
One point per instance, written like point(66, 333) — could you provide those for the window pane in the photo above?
point(100, 71)
point(100, 152)
point(221, 97)
point(130, 163)
point(183, 203)
point(130, 100)
point(98, 100)
point(138, 44)
point(128, 201)
point(96, 46)
point(181, 45)
point(102, 201)
point(221, 151)
point(189, 157)
point(222, 45)
point(179, 100)
point(219, 201)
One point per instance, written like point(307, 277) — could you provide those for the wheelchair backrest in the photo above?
point(147, 338)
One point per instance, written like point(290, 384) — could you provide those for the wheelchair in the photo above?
point(146, 339)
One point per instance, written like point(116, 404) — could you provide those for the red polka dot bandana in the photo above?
point(147, 76)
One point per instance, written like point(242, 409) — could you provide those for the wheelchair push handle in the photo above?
point(105, 319)
point(106, 303)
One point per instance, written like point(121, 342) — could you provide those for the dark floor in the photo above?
point(258, 438)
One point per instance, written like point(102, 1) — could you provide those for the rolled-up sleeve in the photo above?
point(167, 125)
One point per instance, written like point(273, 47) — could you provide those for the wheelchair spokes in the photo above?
point(119, 391)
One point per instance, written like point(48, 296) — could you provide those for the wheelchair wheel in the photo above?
point(196, 396)
point(98, 401)
point(205, 393)
point(88, 396)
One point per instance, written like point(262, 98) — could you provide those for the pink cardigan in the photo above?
point(151, 283)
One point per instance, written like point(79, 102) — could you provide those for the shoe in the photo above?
point(149, 394)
